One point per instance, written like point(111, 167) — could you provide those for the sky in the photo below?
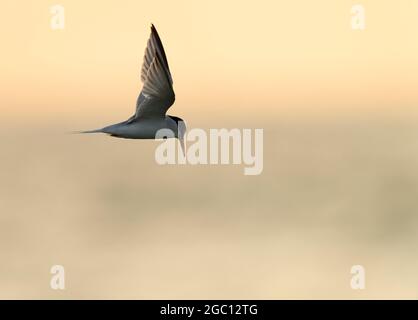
point(334, 192)
point(257, 58)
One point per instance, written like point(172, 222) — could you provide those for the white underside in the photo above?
point(141, 128)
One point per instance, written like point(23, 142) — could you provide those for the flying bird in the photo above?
point(156, 97)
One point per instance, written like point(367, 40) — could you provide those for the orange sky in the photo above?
point(258, 57)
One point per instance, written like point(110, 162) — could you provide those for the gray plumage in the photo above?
point(156, 97)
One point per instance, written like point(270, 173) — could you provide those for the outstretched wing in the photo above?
point(154, 46)
point(157, 94)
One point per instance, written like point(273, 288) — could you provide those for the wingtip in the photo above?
point(154, 31)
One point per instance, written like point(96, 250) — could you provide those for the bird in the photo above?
point(156, 97)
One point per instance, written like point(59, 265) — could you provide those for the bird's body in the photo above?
point(145, 128)
point(156, 97)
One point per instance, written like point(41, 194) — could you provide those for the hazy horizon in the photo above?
point(339, 113)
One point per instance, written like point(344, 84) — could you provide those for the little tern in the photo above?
point(155, 99)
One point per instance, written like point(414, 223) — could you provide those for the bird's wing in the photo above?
point(154, 46)
point(157, 94)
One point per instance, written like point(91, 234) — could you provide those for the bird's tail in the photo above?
point(89, 131)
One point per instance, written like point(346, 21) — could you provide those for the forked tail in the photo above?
point(90, 131)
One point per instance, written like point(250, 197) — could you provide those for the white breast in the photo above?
point(142, 128)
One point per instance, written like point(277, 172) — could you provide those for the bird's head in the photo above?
point(181, 130)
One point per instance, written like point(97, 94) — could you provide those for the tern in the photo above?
point(156, 97)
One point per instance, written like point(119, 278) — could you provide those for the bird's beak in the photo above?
point(183, 146)
point(181, 127)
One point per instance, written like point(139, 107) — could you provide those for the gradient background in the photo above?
point(339, 186)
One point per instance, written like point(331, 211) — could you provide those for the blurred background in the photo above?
point(339, 186)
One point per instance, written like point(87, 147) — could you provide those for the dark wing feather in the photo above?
point(157, 94)
point(154, 47)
